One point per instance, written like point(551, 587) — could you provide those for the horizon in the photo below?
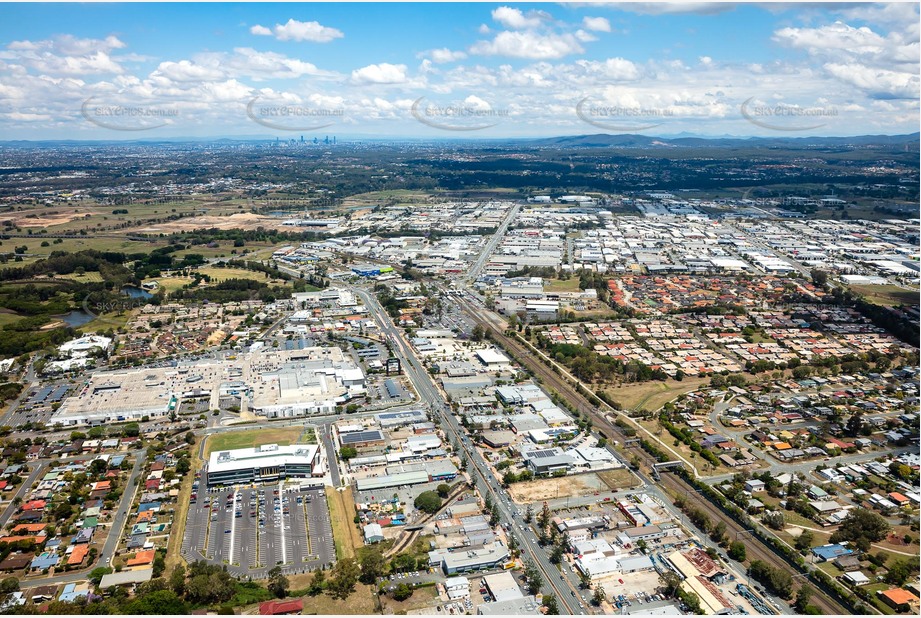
point(479, 72)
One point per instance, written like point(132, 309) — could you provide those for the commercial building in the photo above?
point(503, 587)
point(269, 462)
point(547, 460)
point(467, 561)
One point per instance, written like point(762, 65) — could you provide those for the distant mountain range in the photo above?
point(604, 140)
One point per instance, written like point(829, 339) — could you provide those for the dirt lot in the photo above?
point(243, 221)
point(563, 487)
point(618, 479)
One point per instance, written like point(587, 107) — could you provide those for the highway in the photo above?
point(477, 266)
point(554, 582)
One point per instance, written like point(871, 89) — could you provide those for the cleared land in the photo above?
point(887, 295)
point(618, 479)
point(342, 514)
point(362, 602)
point(422, 598)
point(252, 437)
point(651, 396)
point(552, 488)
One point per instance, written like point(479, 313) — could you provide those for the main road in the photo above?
point(483, 478)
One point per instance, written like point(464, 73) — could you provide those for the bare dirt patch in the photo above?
point(243, 221)
point(562, 487)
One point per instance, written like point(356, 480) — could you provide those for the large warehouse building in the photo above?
point(262, 464)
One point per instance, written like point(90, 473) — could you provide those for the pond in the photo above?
point(133, 292)
point(76, 318)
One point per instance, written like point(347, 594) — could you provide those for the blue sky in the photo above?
point(118, 71)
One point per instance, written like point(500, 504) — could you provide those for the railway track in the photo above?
point(756, 549)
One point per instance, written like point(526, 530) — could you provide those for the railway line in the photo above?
point(756, 549)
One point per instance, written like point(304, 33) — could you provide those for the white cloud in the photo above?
point(877, 82)
point(585, 37)
point(443, 55)
point(667, 8)
point(529, 45)
point(596, 24)
point(516, 20)
point(67, 55)
point(299, 31)
point(383, 73)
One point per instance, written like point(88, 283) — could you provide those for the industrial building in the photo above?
point(261, 464)
point(466, 561)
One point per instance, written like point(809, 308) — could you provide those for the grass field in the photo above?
point(887, 295)
point(651, 396)
point(362, 602)
point(422, 598)
point(106, 321)
point(251, 437)
point(171, 284)
point(222, 274)
point(7, 317)
point(562, 285)
point(90, 277)
point(341, 514)
point(177, 530)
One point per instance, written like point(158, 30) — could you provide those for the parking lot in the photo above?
point(252, 529)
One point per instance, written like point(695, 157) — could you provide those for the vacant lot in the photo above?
point(342, 515)
point(423, 598)
point(222, 274)
point(887, 295)
point(562, 487)
point(618, 479)
point(651, 396)
point(562, 285)
point(363, 601)
point(251, 437)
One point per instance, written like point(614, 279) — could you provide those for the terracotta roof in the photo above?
point(274, 608)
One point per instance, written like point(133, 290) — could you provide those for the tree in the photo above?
point(96, 574)
point(802, 598)
point(773, 519)
point(347, 452)
point(402, 592)
point(862, 527)
point(670, 582)
point(804, 540)
point(131, 430)
point(344, 577)
point(177, 580)
point(428, 501)
point(158, 603)
point(556, 554)
point(737, 551)
point(278, 583)
point(719, 532)
point(598, 598)
point(901, 570)
point(854, 425)
point(371, 560)
point(533, 578)
point(819, 277)
point(443, 490)
point(317, 583)
point(528, 514)
point(553, 607)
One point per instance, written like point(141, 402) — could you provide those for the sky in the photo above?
point(480, 70)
